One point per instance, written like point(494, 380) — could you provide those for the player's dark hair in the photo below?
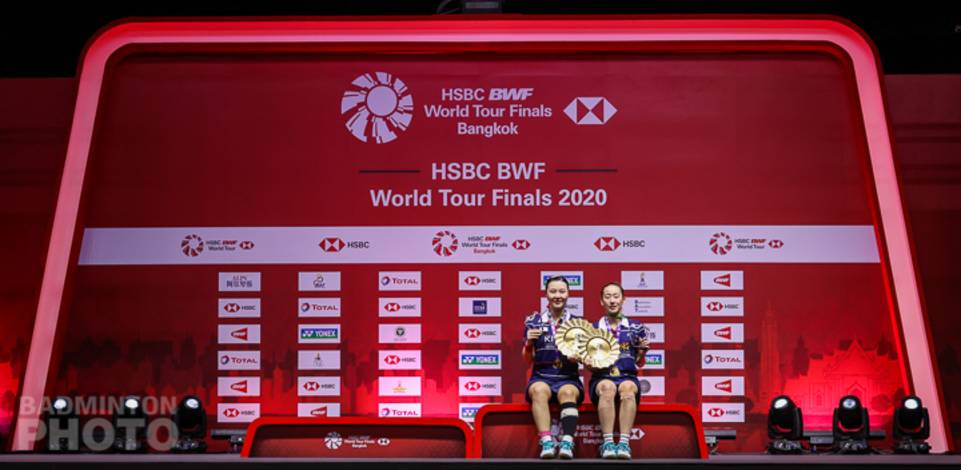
point(605, 286)
point(556, 279)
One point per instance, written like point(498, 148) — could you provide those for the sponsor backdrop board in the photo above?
point(406, 208)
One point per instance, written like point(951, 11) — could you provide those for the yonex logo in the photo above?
point(607, 243)
point(332, 245)
point(521, 244)
point(379, 106)
point(445, 243)
point(721, 243)
point(192, 245)
point(590, 110)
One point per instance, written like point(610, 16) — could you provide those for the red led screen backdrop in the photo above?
point(323, 227)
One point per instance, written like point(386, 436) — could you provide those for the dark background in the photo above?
point(918, 42)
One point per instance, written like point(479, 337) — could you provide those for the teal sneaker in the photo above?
point(548, 449)
point(623, 450)
point(608, 450)
point(566, 451)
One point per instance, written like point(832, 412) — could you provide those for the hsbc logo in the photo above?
point(400, 360)
point(480, 386)
point(775, 244)
point(246, 245)
point(722, 412)
point(237, 412)
point(238, 308)
point(521, 245)
point(318, 386)
point(332, 245)
point(607, 244)
point(399, 306)
point(232, 307)
point(480, 333)
point(392, 307)
point(722, 359)
point(722, 306)
point(392, 359)
point(311, 386)
point(590, 110)
point(483, 280)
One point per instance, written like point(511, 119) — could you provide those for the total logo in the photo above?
point(612, 244)
point(400, 280)
point(239, 360)
point(521, 245)
point(319, 307)
point(400, 410)
point(445, 243)
point(378, 107)
point(192, 245)
point(590, 111)
point(722, 359)
point(336, 244)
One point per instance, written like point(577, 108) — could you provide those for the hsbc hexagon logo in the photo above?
point(521, 245)
point(587, 111)
point(472, 386)
point(472, 333)
point(231, 412)
point(192, 245)
point(232, 307)
point(775, 244)
point(472, 280)
point(721, 243)
point(378, 107)
point(715, 306)
point(391, 359)
point(332, 245)
point(246, 245)
point(715, 412)
point(392, 306)
point(311, 386)
point(607, 244)
point(445, 243)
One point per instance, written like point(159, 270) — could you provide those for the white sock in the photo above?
point(546, 438)
point(568, 438)
point(609, 438)
point(625, 437)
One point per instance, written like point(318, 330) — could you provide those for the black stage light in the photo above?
point(784, 426)
point(63, 426)
point(130, 425)
point(191, 421)
point(851, 427)
point(911, 427)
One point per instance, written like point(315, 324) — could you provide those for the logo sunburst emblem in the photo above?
point(379, 106)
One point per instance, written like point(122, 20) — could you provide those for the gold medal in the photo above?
point(615, 371)
point(557, 363)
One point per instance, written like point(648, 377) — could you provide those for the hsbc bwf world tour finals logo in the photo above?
point(378, 107)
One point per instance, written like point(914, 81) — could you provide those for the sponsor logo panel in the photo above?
point(654, 359)
point(318, 334)
point(399, 280)
point(238, 334)
point(722, 332)
point(408, 333)
point(722, 280)
point(238, 360)
point(722, 386)
point(237, 412)
point(722, 359)
point(318, 410)
point(398, 307)
point(238, 308)
point(318, 281)
point(722, 412)
point(651, 386)
point(324, 307)
point(642, 280)
point(468, 411)
point(399, 410)
point(722, 306)
point(575, 279)
point(318, 360)
point(575, 305)
point(399, 386)
point(480, 333)
point(655, 332)
point(398, 360)
point(470, 359)
point(238, 386)
point(479, 280)
point(238, 282)
point(318, 386)
point(479, 307)
point(479, 386)
point(644, 306)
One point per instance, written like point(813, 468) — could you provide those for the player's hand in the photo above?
point(534, 333)
point(644, 344)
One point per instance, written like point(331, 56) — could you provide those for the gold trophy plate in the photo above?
point(568, 333)
point(599, 349)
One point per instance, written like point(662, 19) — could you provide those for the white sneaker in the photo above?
point(548, 449)
point(567, 450)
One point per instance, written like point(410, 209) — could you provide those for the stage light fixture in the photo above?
point(62, 426)
point(851, 427)
point(130, 426)
point(784, 426)
point(191, 421)
point(911, 427)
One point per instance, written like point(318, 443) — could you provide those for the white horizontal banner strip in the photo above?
point(480, 244)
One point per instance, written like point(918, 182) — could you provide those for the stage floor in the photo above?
point(185, 462)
